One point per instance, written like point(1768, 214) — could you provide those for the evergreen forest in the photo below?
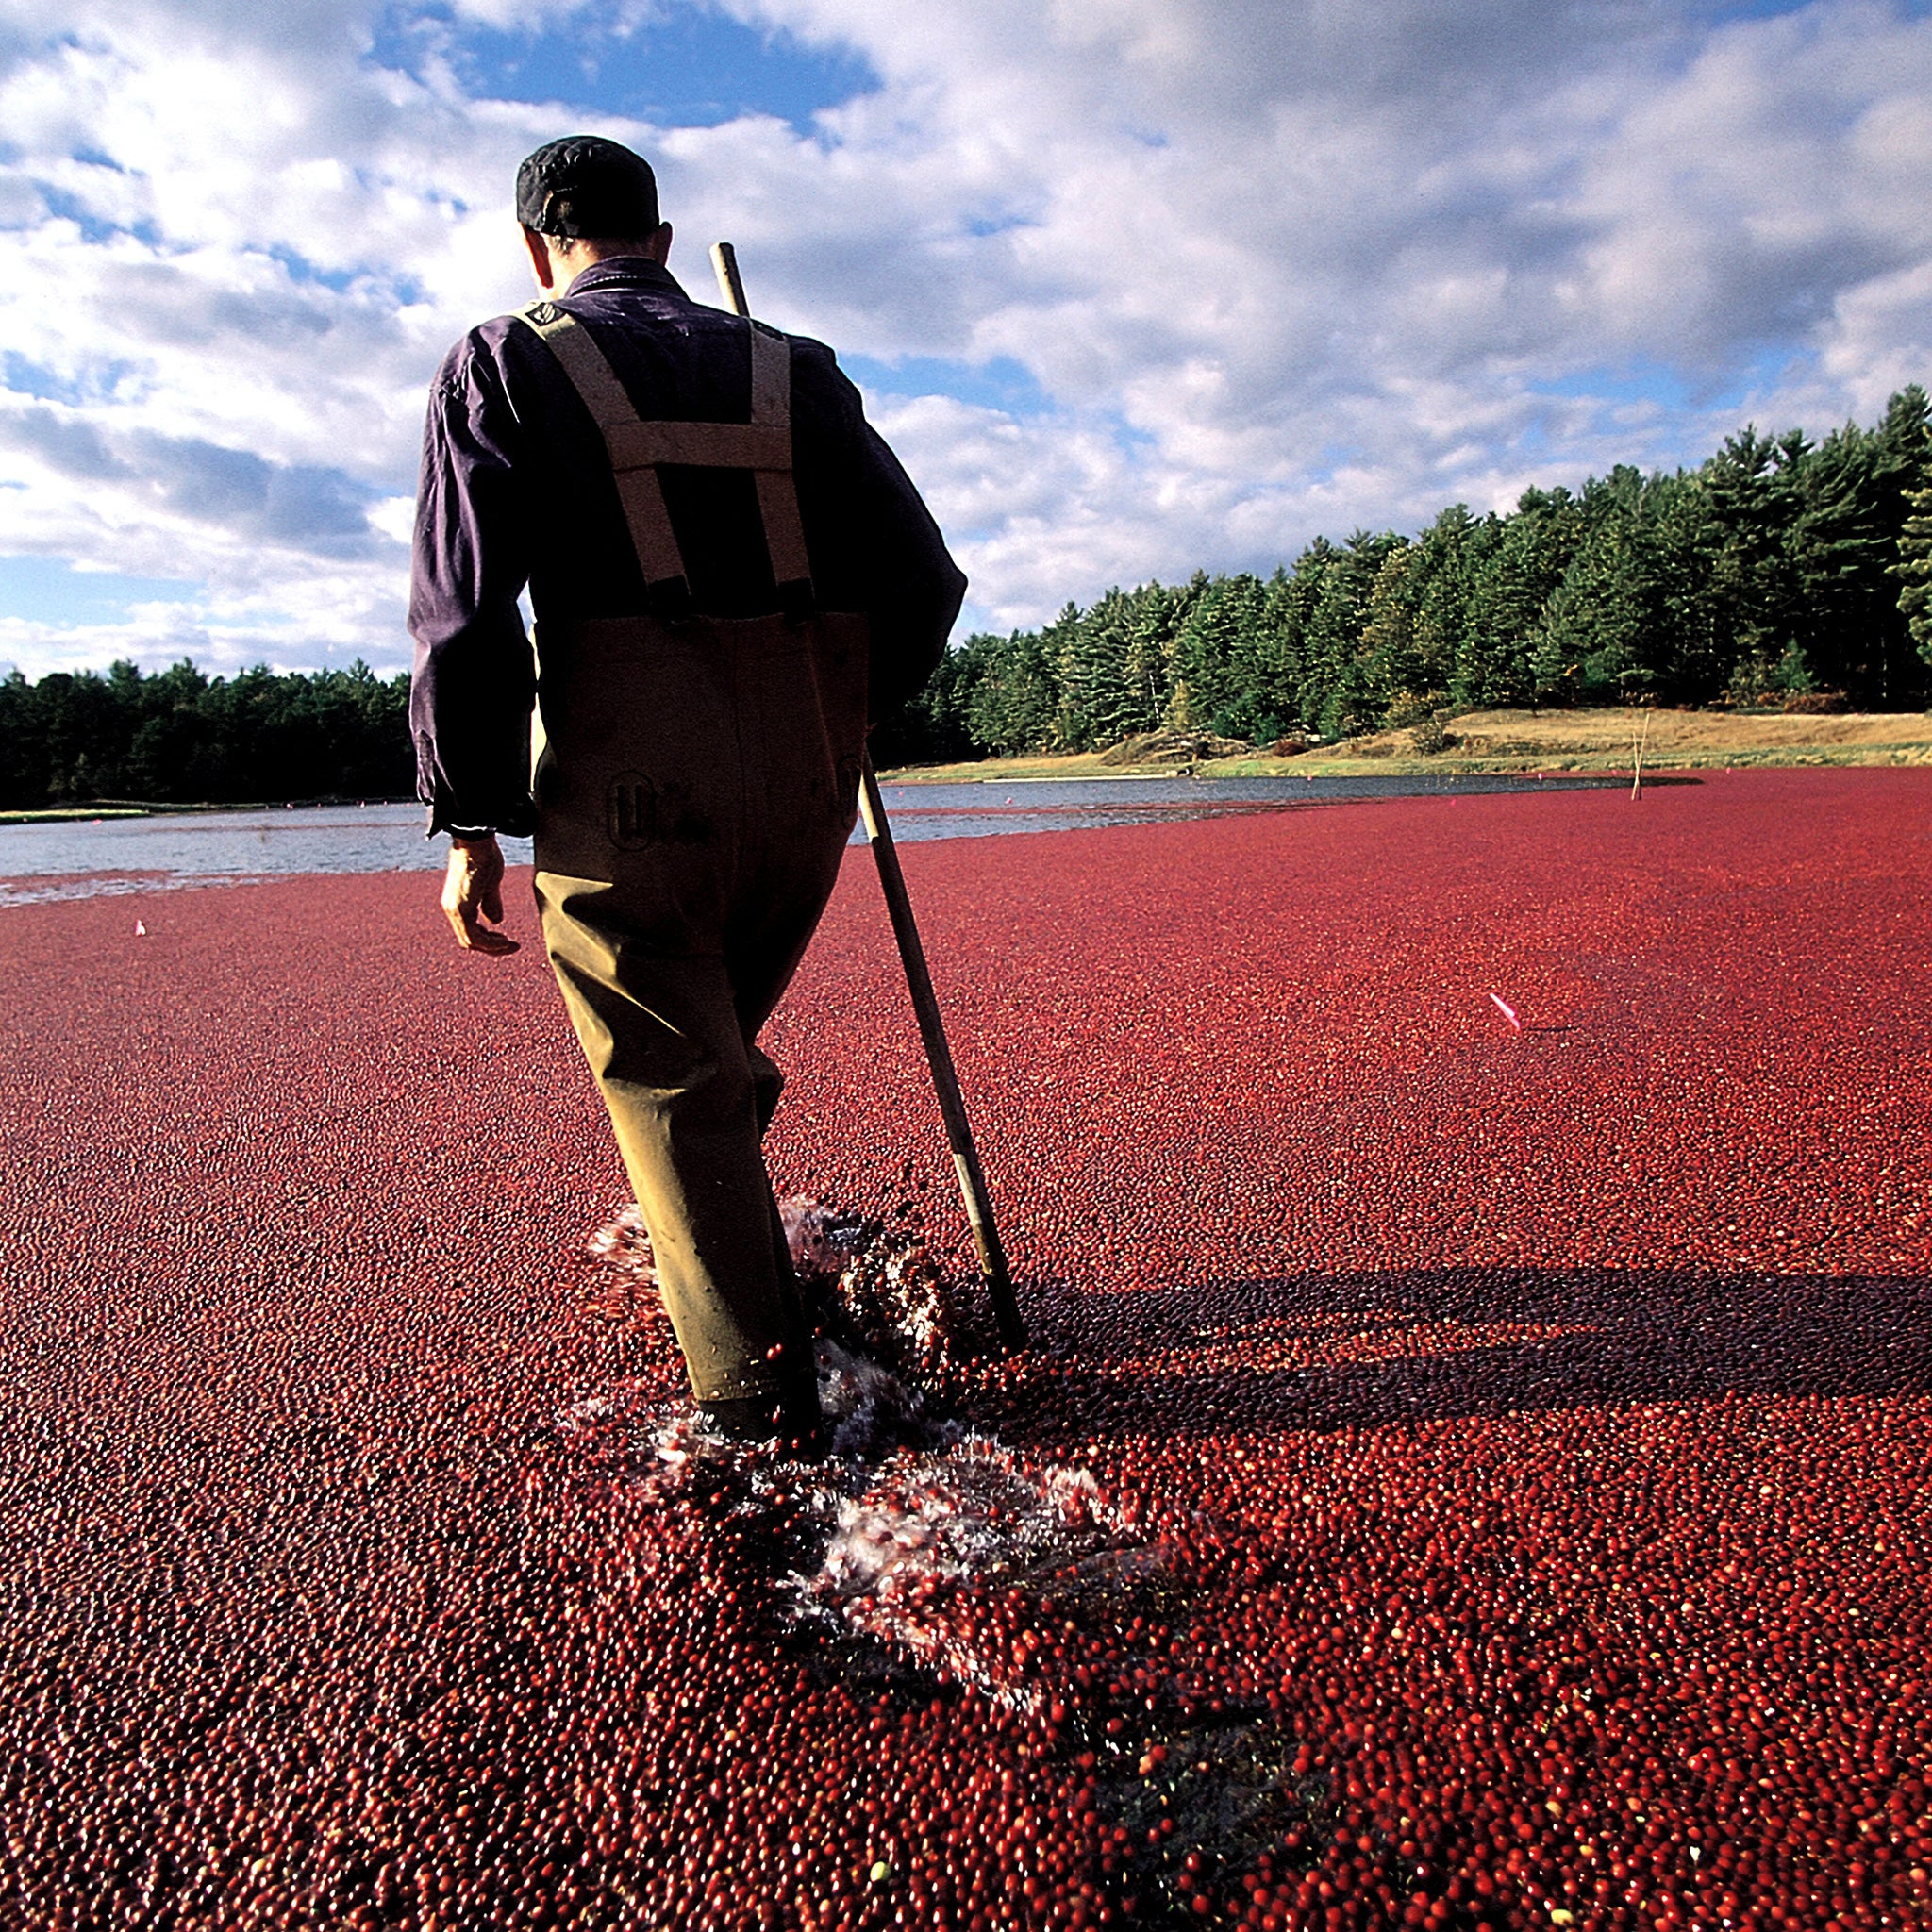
point(1780, 571)
point(180, 737)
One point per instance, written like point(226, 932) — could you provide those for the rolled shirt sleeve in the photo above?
point(474, 679)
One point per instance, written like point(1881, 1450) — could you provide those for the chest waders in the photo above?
point(698, 785)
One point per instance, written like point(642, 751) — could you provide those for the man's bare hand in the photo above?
point(473, 886)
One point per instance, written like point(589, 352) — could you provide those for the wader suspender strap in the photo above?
point(637, 449)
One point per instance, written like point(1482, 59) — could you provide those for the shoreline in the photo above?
point(1500, 743)
point(131, 809)
point(1512, 743)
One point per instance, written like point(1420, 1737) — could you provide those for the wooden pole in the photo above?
point(730, 284)
point(939, 1056)
point(932, 1028)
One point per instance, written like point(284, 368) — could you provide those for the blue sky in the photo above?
point(1133, 286)
point(689, 67)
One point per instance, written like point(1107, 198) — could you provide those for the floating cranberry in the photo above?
point(1478, 1470)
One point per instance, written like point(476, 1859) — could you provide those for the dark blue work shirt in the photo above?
point(517, 488)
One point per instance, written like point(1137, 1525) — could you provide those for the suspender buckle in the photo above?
point(669, 599)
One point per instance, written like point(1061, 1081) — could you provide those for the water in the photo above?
point(84, 859)
point(995, 806)
point(918, 1532)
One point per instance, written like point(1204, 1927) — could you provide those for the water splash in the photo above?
point(624, 1245)
point(919, 1532)
point(822, 1240)
point(877, 1290)
point(955, 1558)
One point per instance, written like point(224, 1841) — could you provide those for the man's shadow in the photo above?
point(1324, 1352)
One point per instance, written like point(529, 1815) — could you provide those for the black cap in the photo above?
point(585, 185)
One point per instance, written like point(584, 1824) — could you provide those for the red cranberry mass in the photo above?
point(1466, 1475)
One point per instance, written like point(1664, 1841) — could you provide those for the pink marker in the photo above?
point(1507, 1011)
point(139, 930)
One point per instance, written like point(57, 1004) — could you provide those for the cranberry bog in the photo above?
point(1470, 1471)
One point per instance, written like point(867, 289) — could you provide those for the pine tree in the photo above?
point(182, 737)
point(1334, 652)
point(1913, 571)
point(1077, 676)
point(1844, 536)
point(1208, 648)
point(1101, 698)
point(1752, 485)
point(1905, 468)
point(1596, 642)
point(1147, 675)
point(1509, 590)
point(1259, 705)
point(1014, 702)
point(1293, 607)
point(1773, 567)
point(934, 726)
point(1685, 539)
point(1451, 552)
point(1390, 667)
point(1276, 657)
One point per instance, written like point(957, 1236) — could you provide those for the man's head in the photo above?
point(584, 199)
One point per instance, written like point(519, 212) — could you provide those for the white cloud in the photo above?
point(1277, 266)
point(315, 618)
point(1329, 263)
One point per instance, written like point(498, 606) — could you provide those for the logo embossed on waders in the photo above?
point(631, 810)
point(543, 314)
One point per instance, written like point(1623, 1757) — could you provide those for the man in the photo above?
point(732, 577)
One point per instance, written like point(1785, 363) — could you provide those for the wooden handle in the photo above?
point(939, 1056)
point(730, 284)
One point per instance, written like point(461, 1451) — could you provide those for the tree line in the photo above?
point(1778, 572)
point(180, 737)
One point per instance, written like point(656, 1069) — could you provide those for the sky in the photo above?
point(1134, 287)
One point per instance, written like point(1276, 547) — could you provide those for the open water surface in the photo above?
point(81, 859)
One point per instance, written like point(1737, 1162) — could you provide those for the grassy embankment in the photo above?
point(68, 814)
point(1591, 740)
point(1588, 741)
